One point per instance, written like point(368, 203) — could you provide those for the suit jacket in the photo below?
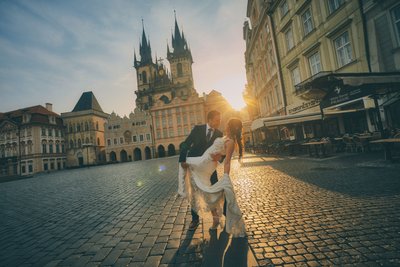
point(196, 143)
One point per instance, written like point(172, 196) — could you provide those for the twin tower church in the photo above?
point(167, 108)
point(154, 81)
point(167, 105)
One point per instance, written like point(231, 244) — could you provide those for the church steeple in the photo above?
point(144, 50)
point(179, 44)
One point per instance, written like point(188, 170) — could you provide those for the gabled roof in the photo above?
point(87, 102)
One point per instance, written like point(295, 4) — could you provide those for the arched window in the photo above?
point(86, 126)
point(144, 77)
point(179, 69)
point(79, 143)
point(78, 127)
point(71, 144)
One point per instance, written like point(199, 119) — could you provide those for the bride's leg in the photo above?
point(215, 219)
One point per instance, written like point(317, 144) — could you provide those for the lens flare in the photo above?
point(162, 168)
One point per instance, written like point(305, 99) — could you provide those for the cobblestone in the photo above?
point(298, 212)
point(321, 212)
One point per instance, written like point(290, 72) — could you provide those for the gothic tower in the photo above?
point(145, 74)
point(180, 60)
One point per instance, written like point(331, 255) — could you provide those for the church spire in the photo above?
point(144, 50)
point(179, 44)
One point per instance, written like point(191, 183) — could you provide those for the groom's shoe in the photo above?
point(193, 225)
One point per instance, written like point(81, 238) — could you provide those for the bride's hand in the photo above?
point(216, 157)
point(184, 165)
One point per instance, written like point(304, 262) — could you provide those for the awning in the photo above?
point(284, 120)
point(328, 112)
point(257, 123)
point(347, 86)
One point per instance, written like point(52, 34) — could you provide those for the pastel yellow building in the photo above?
point(85, 132)
point(31, 141)
point(129, 138)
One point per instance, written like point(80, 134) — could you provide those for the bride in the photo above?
point(195, 184)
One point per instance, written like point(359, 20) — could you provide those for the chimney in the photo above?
point(49, 106)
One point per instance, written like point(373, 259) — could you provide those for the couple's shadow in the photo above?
point(223, 250)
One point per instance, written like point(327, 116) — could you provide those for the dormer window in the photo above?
point(26, 118)
point(52, 120)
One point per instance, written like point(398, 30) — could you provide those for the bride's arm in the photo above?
point(229, 147)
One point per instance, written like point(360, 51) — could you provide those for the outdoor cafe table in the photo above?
point(387, 145)
point(316, 145)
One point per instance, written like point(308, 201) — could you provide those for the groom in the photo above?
point(200, 138)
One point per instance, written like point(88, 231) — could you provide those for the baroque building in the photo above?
point(31, 141)
point(263, 93)
point(85, 132)
point(130, 138)
point(324, 52)
point(169, 96)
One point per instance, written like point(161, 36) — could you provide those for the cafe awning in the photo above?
point(284, 120)
point(347, 86)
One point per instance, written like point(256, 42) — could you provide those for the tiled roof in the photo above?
point(39, 115)
point(87, 102)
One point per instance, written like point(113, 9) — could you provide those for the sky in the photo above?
point(53, 51)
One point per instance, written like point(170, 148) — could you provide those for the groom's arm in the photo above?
point(186, 145)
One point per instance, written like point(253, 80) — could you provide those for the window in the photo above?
point(148, 137)
point(134, 138)
point(295, 73)
point(144, 77)
point(115, 141)
point(44, 150)
point(307, 22)
point(121, 140)
point(315, 63)
point(43, 131)
point(396, 19)
point(334, 5)
point(108, 142)
point(165, 133)
point(141, 138)
point(284, 8)
point(343, 49)
point(179, 69)
point(289, 39)
point(51, 148)
point(171, 132)
point(158, 134)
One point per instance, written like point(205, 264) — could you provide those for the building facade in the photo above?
point(264, 90)
point(129, 139)
point(315, 39)
point(31, 141)
point(169, 96)
point(85, 132)
point(383, 27)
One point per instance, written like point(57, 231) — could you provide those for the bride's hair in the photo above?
point(235, 131)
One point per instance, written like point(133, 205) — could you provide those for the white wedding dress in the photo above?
point(195, 185)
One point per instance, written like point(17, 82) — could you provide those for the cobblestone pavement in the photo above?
point(298, 212)
point(321, 212)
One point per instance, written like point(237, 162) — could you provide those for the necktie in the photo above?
point(209, 134)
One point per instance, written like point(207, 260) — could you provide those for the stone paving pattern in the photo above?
point(321, 212)
point(298, 212)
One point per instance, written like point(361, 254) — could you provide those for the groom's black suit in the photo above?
point(194, 146)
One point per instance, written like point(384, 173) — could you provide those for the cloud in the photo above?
point(56, 50)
